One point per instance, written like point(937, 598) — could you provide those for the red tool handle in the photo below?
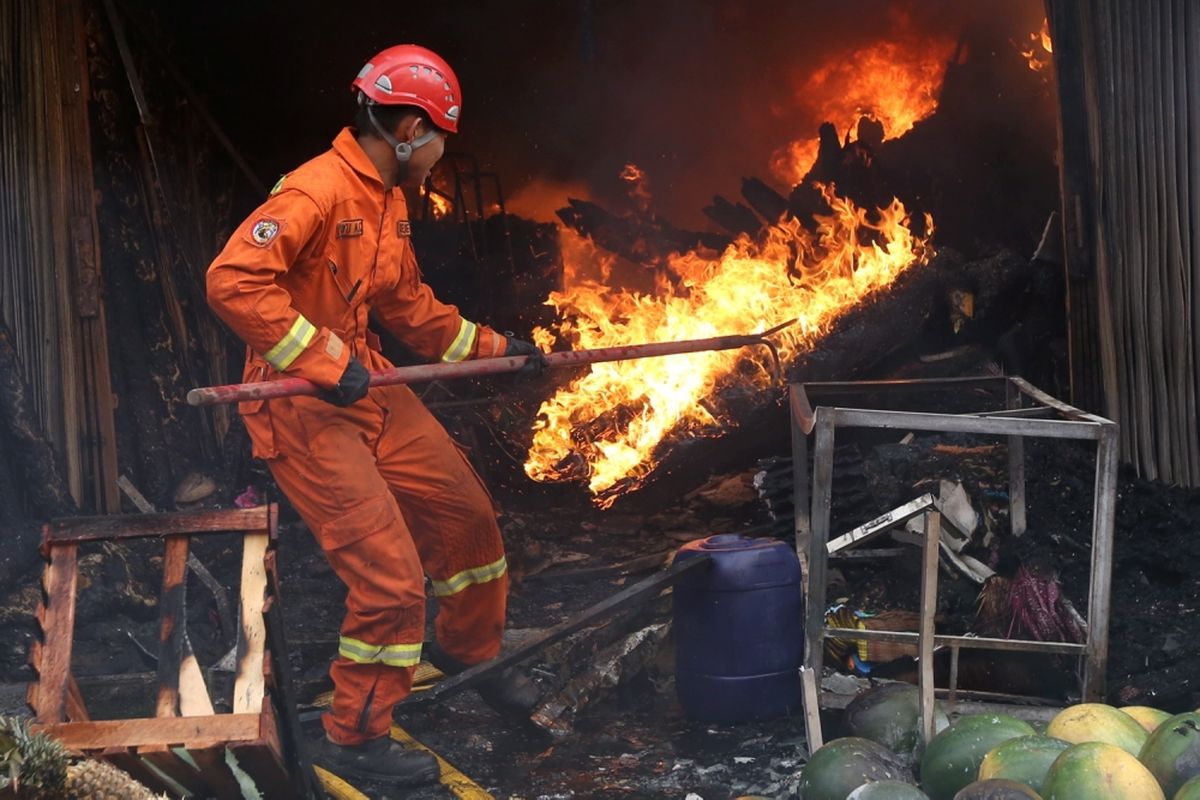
point(292, 387)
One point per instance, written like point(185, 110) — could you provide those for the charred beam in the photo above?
point(734, 217)
point(770, 204)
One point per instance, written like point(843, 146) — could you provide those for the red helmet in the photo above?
point(409, 74)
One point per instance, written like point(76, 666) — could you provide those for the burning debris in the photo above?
point(787, 274)
point(895, 82)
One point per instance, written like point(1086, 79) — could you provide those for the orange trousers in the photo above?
point(390, 497)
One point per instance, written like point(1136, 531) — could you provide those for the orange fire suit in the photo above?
point(381, 484)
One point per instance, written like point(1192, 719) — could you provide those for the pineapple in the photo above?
point(97, 780)
point(32, 765)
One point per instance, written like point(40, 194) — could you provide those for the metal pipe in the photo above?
point(294, 387)
point(946, 423)
point(966, 642)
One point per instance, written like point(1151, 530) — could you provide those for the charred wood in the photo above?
point(768, 203)
point(737, 218)
point(612, 667)
point(158, 439)
point(642, 240)
point(40, 469)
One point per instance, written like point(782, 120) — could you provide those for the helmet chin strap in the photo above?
point(403, 150)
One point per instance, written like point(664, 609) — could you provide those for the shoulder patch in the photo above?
point(263, 231)
point(349, 228)
point(403, 228)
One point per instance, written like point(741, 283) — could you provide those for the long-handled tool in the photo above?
point(293, 387)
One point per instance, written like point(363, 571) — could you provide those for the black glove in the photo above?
point(537, 359)
point(351, 387)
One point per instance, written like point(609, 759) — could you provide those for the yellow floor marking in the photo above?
point(459, 784)
point(337, 788)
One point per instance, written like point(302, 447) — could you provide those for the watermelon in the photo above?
point(1025, 759)
point(1149, 718)
point(952, 758)
point(843, 765)
point(1189, 791)
point(1095, 770)
point(1097, 722)
point(890, 715)
point(997, 789)
point(1172, 752)
point(887, 790)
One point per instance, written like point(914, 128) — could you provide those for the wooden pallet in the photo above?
point(186, 744)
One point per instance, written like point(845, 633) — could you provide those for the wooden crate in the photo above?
point(185, 741)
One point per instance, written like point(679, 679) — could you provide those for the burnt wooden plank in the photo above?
point(58, 623)
point(176, 769)
point(171, 621)
point(127, 526)
point(164, 731)
point(248, 687)
point(217, 773)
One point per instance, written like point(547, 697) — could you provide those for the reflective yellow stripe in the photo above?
point(461, 347)
point(471, 576)
point(394, 655)
point(287, 349)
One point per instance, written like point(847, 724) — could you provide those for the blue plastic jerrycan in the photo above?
point(739, 630)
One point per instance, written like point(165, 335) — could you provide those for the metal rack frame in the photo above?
point(1044, 416)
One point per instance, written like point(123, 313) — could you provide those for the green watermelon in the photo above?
point(1172, 753)
point(887, 790)
point(997, 789)
point(1189, 791)
point(952, 759)
point(890, 714)
point(1099, 771)
point(843, 765)
point(1025, 759)
point(1097, 722)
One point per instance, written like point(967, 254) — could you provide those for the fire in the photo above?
point(606, 425)
point(1037, 51)
point(637, 186)
point(439, 205)
point(894, 82)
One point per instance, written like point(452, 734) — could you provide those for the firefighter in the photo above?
point(383, 487)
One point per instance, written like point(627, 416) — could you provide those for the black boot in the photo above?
point(383, 760)
point(508, 691)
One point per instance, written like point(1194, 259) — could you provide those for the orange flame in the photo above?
point(894, 82)
point(605, 426)
point(439, 205)
point(1038, 51)
point(632, 173)
point(637, 186)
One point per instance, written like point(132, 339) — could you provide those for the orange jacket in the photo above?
point(300, 275)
